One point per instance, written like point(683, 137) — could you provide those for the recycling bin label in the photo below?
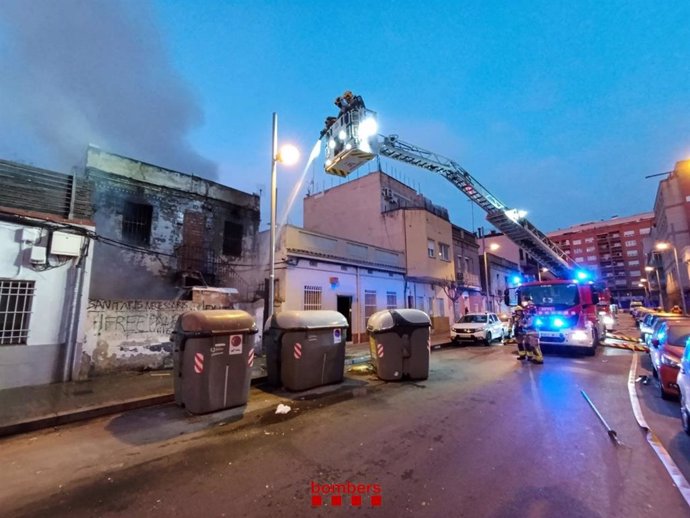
point(235, 344)
point(337, 336)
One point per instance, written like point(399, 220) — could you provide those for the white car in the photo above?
point(478, 327)
point(683, 382)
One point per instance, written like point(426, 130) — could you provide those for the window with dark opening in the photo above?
point(136, 223)
point(232, 239)
point(16, 299)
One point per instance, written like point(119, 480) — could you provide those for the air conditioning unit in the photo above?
point(387, 193)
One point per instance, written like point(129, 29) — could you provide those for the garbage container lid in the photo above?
point(308, 319)
point(217, 321)
point(390, 318)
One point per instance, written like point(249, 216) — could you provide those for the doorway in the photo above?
point(345, 308)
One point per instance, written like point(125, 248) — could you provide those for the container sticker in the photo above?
point(337, 336)
point(235, 344)
point(217, 349)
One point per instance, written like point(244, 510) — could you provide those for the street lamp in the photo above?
point(493, 247)
point(643, 284)
point(648, 269)
point(287, 155)
point(662, 246)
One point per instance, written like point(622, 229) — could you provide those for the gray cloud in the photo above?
point(92, 71)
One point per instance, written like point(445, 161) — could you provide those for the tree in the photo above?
point(453, 291)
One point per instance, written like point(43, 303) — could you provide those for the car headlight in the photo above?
point(670, 361)
point(580, 336)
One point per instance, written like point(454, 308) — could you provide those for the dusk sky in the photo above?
point(559, 108)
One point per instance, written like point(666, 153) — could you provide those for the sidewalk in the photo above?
point(31, 408)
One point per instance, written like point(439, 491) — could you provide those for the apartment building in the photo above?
point(613, 250)
point(378, 210)
point(672, 226)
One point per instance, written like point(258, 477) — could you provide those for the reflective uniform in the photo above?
point(527, 336)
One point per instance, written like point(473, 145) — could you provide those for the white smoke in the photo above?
point(92, 71)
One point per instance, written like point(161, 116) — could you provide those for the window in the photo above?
point(634, 273)
point(589, 240)
point(420, 303)
point(312, 297)
point(632, 242)
point(591, 257)
point(468, 265)
point(431, 306)
point(441, 308)
point(645, 231)
point(136, 222)
point(577, 251)
point(522, 255)
point(590, 249)
point(391, 300)
point(577, 241)
point(232, 239)
point(628, 233)
point(633, 263)
point(369, 303)
point(430, 248)
point(631, 253)
point(16, 298)
point(579, 259)
point(444, 251)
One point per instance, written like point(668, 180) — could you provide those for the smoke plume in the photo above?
point(92, 71)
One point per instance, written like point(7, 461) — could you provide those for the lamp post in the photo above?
point(665, 246)
point(288, 155)
point(643, 284)
point(648, 269)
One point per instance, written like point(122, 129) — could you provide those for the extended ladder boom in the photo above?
point(509, 221)
point(351, 141)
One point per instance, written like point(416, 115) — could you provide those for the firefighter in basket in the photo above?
point(532, 335)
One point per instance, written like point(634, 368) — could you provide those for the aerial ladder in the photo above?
point(352, 140)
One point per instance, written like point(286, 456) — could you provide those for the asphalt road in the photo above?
point(485, 435)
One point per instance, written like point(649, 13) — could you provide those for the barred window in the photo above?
point(369, 303)
point(232, 239)
point(136, 222)
point(312, 297)
point(16, 299)
point(391, 300)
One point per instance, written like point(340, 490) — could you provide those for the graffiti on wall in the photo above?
point(129, 318)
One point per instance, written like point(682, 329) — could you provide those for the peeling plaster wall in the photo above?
point(130, 334)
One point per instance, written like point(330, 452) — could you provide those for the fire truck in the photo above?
point(566, 307)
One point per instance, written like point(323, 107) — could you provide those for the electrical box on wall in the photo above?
point(30, 234)
point(38, 255)
point(62, 243)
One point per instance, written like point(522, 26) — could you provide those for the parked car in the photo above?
point(640, 313)
point(684, 387)
point(665, 351)
point(507, 321)
point(656, 325)
point(476, 327)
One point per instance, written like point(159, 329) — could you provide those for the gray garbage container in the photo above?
point(212, 359)
point(399, 343)
point(305, 349)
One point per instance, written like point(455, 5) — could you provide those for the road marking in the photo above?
point(661, 452)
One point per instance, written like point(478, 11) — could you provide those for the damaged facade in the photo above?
point(161, 233)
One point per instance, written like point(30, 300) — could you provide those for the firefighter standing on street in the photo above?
point(519, 331)
point(530, 340)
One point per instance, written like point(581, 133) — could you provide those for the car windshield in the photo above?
point(473, 319)
point(565, 295)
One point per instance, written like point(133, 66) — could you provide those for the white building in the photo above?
point(317, 271)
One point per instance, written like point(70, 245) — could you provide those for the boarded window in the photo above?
point(232, 239)
point(16, 298)
point(136, 223)
point(369, 303)
point(312, 297)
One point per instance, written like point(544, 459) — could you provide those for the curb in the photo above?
point(86, 413)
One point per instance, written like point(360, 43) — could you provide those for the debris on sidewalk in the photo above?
point(283, 409)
